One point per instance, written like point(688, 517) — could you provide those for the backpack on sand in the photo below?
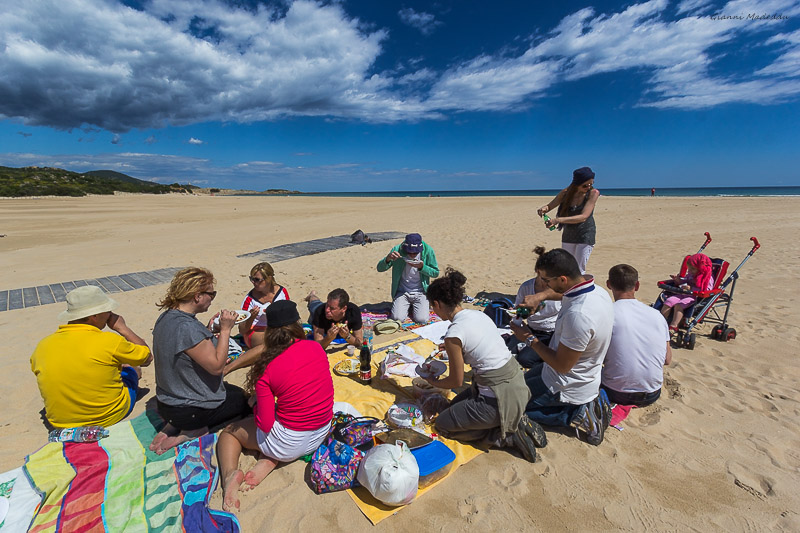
point(495, 311)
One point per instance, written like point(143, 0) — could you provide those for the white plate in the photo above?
point(347, 367)
point(437, 369)
point(3, 509)
point(242, 316)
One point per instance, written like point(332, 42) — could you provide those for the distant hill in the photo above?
point(46, 181)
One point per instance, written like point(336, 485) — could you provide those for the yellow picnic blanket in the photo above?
point(375, 400)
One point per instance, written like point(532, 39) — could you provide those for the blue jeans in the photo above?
point(545, 407)
point(312, 307)
point(527, 357)
point(131, 381)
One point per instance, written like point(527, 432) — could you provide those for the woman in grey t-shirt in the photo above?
point(189, 362)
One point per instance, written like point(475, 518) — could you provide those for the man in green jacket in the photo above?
point(413, 264)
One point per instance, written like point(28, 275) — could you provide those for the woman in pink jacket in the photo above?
point(293, 392)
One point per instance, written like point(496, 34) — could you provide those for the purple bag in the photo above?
point(334, 466)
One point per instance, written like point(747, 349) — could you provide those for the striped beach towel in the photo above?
point(118, 484)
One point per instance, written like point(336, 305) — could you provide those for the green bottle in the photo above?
point(546, 220)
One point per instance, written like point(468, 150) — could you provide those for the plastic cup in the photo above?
point(351, 350)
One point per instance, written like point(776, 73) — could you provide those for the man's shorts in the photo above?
point(131, 381)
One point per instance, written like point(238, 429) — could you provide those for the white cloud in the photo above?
point(181, 62)
point(195, 141)
point(116, 138)
point(147, 69)
point(694, 6)
point(424, 22)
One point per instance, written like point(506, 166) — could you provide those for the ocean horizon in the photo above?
point(663, 192)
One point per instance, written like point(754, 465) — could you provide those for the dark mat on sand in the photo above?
point(315, 246)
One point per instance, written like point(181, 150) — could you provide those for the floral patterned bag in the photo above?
point(354, 431)
point(334, 466)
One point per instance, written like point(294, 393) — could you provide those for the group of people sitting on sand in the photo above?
point(581, 351)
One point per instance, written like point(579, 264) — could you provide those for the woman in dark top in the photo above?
point(575, 215)
point(189, 363)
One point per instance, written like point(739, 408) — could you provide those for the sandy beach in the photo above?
point(720, 451)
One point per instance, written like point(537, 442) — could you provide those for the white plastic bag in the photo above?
point(390, 473)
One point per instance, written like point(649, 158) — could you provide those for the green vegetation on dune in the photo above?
point(44, 181)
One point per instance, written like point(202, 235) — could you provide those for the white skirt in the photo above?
point(285, 445)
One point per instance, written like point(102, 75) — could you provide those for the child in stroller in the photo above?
point(698, 278)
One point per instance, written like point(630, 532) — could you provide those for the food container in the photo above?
point(435, 461)
point(404, 415)
point(423, 388)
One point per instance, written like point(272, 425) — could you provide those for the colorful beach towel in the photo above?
point(406, 324)
point(118, 484)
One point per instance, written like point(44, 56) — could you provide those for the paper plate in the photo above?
point(242, 316)
point(347, 367)
point(3, 508)
point(437, 368)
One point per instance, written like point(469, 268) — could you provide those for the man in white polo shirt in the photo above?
point(565, 388)
point(639, 349)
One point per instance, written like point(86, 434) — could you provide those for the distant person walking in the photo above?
point(653, 191)
point(575, 215)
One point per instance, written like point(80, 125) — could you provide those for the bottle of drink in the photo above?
point(523, 312)
point(368, 331)
point(546, 220)
point(80, 434)
point(365, 361)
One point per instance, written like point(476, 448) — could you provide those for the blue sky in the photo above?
point(397, 95)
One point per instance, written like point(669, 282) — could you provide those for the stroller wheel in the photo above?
point(728, 334)
point(716, 333)
point(689, 340)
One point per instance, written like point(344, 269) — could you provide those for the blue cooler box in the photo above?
point(435, 461)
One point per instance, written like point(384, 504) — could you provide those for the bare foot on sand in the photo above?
point(230, 491)
point(167, 431)
point(260, 470)
point(184, 436)
point(312, 297)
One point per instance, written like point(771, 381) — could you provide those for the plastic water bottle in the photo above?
point(546, 220)
point(368, 331)
point(80, 434)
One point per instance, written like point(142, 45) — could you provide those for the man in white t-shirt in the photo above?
point(634, 366)
point(566, 387)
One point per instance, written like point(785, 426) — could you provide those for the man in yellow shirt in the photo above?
point(87, 376)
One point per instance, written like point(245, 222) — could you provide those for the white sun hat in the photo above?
point(86, 301)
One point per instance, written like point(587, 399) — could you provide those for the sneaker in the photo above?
point(534, 431)
point(524, 444)
point(589, 421)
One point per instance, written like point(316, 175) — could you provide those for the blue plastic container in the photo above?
point(435, 461)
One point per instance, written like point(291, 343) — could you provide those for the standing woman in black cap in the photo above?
point(575, 215)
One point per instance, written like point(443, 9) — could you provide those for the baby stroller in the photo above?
point(712, 305)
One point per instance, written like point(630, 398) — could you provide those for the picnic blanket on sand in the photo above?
point(118, 484)
point(407, 323)
point(375, 401)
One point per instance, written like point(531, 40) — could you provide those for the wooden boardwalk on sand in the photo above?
point(56, 292)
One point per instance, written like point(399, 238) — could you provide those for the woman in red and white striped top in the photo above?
point(264, 292)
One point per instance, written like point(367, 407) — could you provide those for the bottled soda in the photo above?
point(365, 364)
point(80, 434)
point(546, 220)
point(523, 312)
